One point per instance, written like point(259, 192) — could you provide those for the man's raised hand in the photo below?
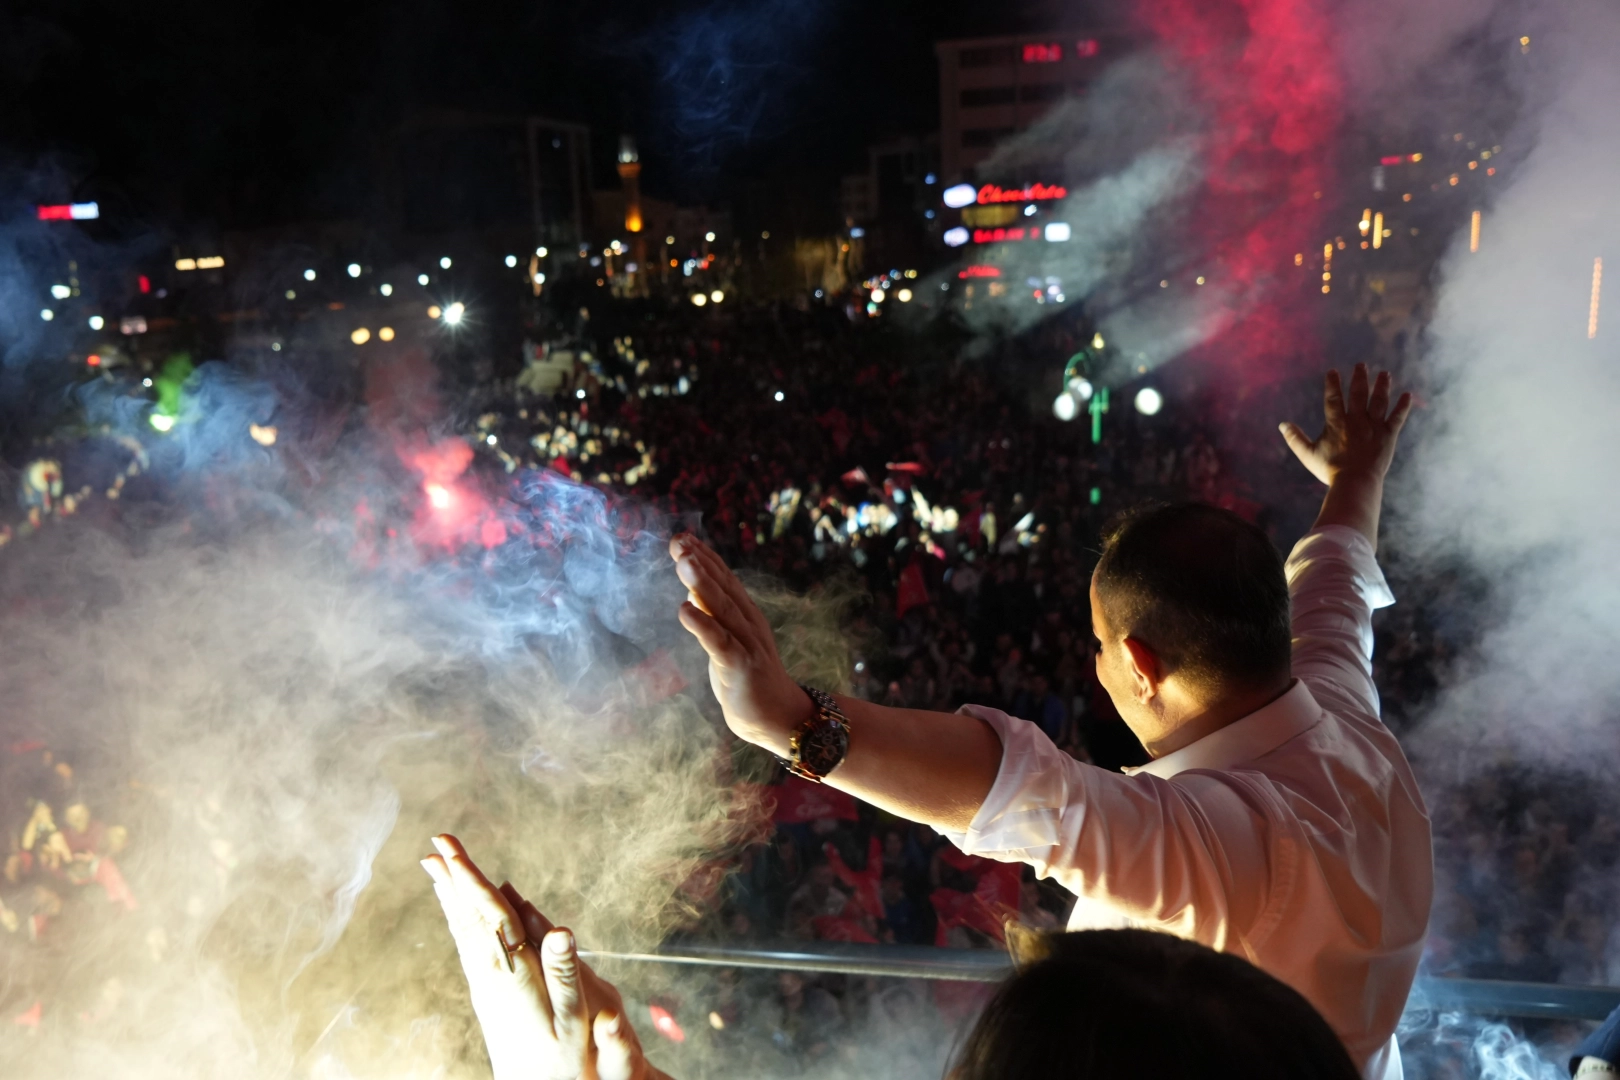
point(1354, 450)
point(761, 701)
point(1361, 430)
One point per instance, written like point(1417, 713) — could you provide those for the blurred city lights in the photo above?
point(146, 382)
point(386, 334)
point(541, 251)
point(434, 311)
point(717, 296)
point(211, 262)
point(955, 237)
point(291, 294)
point(360, 336)
point(709, 236)
point(61, 292)
point(161, 422)
point(580, 393)
point(1058, 231)
point(670, 240)
point(275, 346)
point(264, 435)
point(511, 261)
point(539, 278)
point(309, 275)
point(1597, 296)
point(47, 314)
point(444, 263)
point(386, 289)
point(779, 396)
point(1081, 388)
point(904, 295)
point(491, 439)
point(1149, 401)
point(93, 360)
point(421, 279)
point(960, 195)
point(185, 264)
point(1065, 407)
point(698, 299)
point(454, 313)
point(97, 322)
point(1473, 232)
point(354, 269)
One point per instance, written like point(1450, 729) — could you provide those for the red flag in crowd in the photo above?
point(800, 801)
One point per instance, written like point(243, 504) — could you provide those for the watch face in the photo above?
point(822, 748)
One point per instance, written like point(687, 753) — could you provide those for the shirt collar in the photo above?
point(1243, 740)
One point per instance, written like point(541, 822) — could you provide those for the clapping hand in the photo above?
point(545, 1015)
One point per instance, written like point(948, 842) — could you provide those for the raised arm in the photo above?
point(1353, 453)
point(931, 767)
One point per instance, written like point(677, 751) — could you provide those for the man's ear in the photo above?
point(1147, 671)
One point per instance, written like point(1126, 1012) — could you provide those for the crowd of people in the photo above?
point(932, 483)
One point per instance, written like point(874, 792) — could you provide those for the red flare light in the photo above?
point(438, 496)
point(665, 1023)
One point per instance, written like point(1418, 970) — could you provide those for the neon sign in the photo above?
point(81, 211)
point(979, 271)
point(991, 193)
point(1043, 54)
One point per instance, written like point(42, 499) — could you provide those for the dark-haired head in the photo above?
point(1191, 606)
point(1126, 1004)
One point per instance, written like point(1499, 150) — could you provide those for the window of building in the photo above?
point(1041, 91)
point(980, 96)
point(981, 137)
point(987, 56)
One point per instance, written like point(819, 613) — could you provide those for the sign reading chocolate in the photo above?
point(992, 193)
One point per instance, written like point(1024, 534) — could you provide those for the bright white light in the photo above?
point(580, 393)
point(444, 263)
point(161, 422)
point(61, 292)
point(818, 294)
point(961, 195)
point(856, 233)
point(386, 333)
point(1057, 231)
point(84, 211)
point(779, 396)
point(309, 275)
point(1081, 388)
point(386, 290)
point(683, 385)
point(877, 296)
point(1029, 211)
point(539, 278)
point(97, 322)
point(454, 312)
point(709, 236)
point(421, 279)
point(955, 237)
point(146, 382)
point(669, 240)
point(275, 346)
point(698, 299)
point(360, 336)
point(717, 296)
point(542, 252)
point(511, 260)
point(47, 314)
point(491, 439)
point(354, 269)
point(1149, 401)
point(904, 295)
point(1065, 407)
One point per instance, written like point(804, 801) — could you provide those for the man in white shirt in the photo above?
point(1279, 819)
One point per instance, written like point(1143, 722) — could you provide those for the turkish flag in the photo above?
point(798, 800)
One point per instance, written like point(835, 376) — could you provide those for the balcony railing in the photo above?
point(1483, 997)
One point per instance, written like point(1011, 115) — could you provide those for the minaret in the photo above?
point(630, 180)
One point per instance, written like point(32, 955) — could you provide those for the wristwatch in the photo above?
point(821, 742)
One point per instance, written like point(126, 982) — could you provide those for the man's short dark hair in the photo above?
point(1203, 588)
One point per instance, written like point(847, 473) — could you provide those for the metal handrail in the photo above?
point(1486, 997)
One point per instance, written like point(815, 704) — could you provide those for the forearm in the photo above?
point(1355, 502)
point(930, 767)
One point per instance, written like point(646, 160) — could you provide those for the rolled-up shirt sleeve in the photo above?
point(1152, 848)
point(1335, 585)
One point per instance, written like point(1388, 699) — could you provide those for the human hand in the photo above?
point(532, 1002)
point(1359, 437)
point(761, 701)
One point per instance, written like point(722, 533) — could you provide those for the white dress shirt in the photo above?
point(1294, 837)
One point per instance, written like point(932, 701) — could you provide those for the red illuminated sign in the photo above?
point(996, 236)
point(979, 271)
point(85, 211)
point(1043, 54)
point(1399, 159)
point(1085, 47)
point(990, 193)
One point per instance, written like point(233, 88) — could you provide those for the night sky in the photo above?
point(256, 113)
